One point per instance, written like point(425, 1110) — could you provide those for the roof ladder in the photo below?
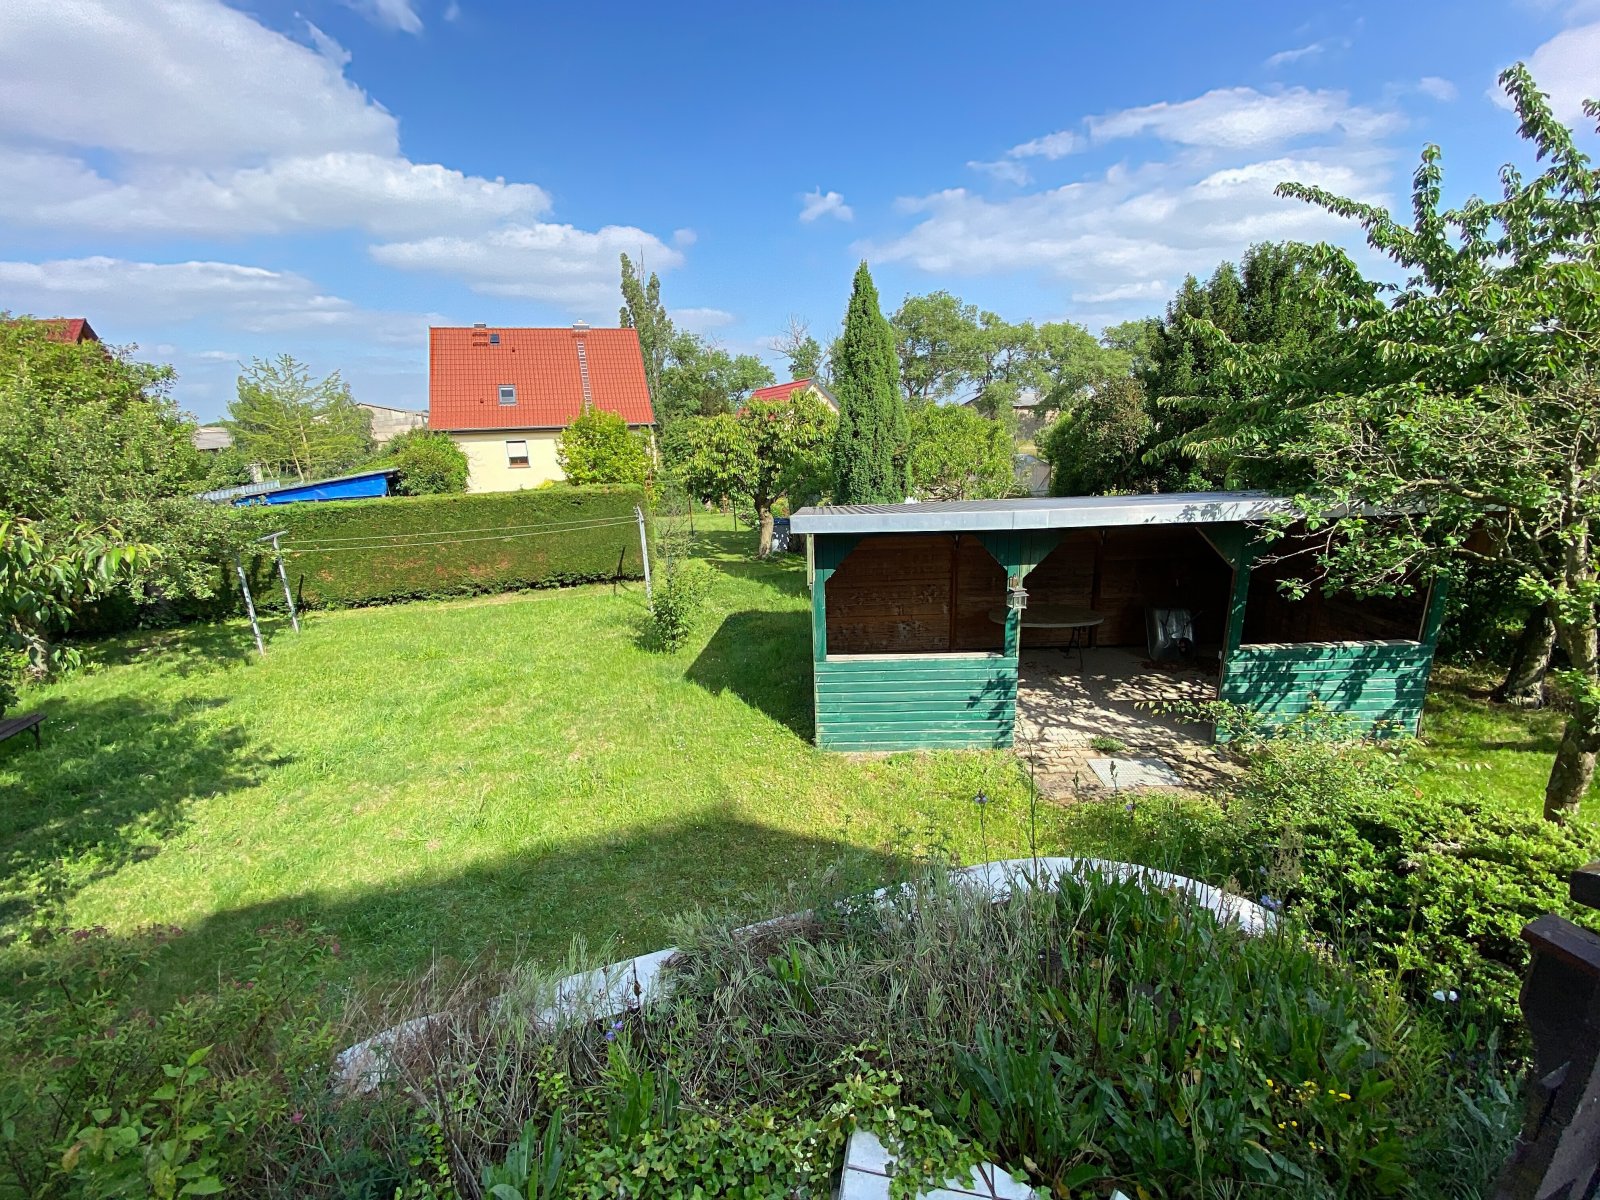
point(583, 371)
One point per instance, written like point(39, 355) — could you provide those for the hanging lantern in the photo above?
point(1016, 594)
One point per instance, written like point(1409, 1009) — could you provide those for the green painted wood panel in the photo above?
point(1375, 683)
point(916, 701)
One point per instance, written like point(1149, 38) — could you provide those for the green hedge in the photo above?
point(431, 546)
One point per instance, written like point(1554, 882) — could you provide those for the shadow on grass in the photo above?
point(190, 649)
point(764, 658)
point(110, 786)
point(625, 888)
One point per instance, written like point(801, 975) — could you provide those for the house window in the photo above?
point(508, 393)
point(516, 454)
point(494, 339)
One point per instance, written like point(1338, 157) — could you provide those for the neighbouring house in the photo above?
point(209, 439)
point(505, 395)
point(1026, 408)
point(780, 392)
point(69, 330)
point(923, 614)
point(363, 485)
point(389, 423)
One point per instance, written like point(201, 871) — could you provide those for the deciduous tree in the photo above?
point(957, 454)
point(295, 425)
point(642, 310)
point(800, 350)
point(1457, 418)
point(430, 464)
point(598, 447)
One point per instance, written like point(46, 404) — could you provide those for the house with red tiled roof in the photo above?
point(71, 331)
point(779, 392)
point(505, 395)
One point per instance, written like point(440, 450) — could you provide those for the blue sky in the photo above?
point(328, 177)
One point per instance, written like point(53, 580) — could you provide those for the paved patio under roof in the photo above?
point(1117, 694)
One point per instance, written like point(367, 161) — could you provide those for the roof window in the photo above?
point(508, 393)
point(494, 339)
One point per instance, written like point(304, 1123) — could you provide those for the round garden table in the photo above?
point(1081, 622)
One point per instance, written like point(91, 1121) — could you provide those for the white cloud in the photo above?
point(1052, 146)
point(249, 299)
point(699, 320)
point(818, 203)
point(557, 264)
point(1437, 88)
point(684, 237)
point(391, 14)
point(1150, 289)
point(1122, 235)
point(327, 46)
point(1242, 118)
point(452, 11)
point(188, 118)
point(1568, 68)
point(1003, 170)
point(385, 195)
point(1284, 57)
point(191, 80)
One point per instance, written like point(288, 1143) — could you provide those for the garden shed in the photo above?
point(920, 613)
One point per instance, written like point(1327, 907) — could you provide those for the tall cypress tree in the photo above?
point(869, 449)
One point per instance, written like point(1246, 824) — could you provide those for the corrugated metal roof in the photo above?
point(1044, 512)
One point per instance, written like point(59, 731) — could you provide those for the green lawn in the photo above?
point(460, 777)
point(482, 775)
point(1488, 750)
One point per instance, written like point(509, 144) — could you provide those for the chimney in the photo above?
point(580, 327)
point(479, 325)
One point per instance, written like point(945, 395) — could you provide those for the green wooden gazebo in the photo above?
point(916, 638)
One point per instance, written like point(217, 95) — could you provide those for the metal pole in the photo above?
point(294, 617)
point(644, 555)
point(249, 605)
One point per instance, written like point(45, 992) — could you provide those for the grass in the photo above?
point(459, 778)
point(1490, 750)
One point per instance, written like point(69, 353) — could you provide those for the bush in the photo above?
point(598, 447)
point(1431, 890)
point(680, 596)
point(352, 552)
point(430, 464)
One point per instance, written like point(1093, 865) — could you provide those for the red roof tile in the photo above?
point(779, 392)
point(70, 330)
point(466, 371)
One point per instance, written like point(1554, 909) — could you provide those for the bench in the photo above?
point(12, 726)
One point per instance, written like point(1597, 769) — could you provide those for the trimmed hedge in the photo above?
point(425, 547)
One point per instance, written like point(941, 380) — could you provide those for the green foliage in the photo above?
point(642, 310)
point(1471, 390)
point(679, 601)
point(430, 464)
point(1270, 304)
point(599, 448)
point(770, 450)
point(45, 577)
point(958, 455)
point(103, 1097)
point(89, 439)
point(296, 426)
point(1096, 447)
point(410, 548)
point(870, 447)
point(703, 380)
point(800, 350)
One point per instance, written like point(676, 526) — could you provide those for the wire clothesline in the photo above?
point(581, 522)
point(457, 541)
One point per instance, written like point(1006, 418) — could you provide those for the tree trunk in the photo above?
point(764, 546)
point(1574, 766)
point(1524, 684)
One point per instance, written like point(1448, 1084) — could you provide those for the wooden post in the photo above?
point(249, 605)
point(288, 596)
point(1557, 1156)
point(644, 556)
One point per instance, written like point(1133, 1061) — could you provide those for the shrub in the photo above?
point(598, 447)
point(430, 464)
point(680, 596)
point(353, 552)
